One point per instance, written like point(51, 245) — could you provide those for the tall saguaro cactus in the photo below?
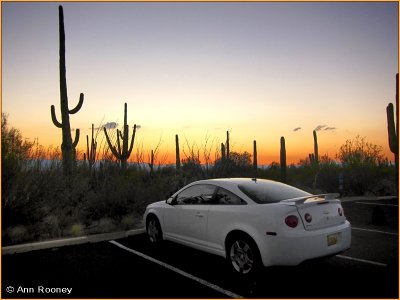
point(255, 158)
point(393, 129)
point(283, 159)
point(178, 158)
point(67, 146)
point(122, 153)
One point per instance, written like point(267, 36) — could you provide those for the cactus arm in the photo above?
point(93, 146)
point(113, 150)
point(54, 118)
point(133, 140)
point(391, 129)
point(87, 147)
point(119, 142)
point(77, 134)
point(78, 106)
point(94, 150)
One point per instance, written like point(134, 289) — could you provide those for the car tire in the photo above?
point(243, 255)
point(154, 231)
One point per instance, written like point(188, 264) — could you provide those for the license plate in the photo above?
point(333, 239)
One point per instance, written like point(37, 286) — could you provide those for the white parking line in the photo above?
point(375, 231)
point(382, 204)
point(362, 260)
point(183, 273)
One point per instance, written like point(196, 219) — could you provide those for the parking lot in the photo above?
point(131, 268)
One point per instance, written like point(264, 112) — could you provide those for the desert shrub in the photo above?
point(17, 234)
point(191, 168)
point(358, 152)
point(15, 151)
point(361, 165)
point(237, 165)
point(106, 225)
point(130, 220)
point(77, 229)
point(49, 228)
point(273, 172)
point(328, 176)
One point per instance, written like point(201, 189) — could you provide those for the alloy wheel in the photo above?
point(241, 256)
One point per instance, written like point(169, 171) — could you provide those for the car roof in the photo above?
point(225, 182)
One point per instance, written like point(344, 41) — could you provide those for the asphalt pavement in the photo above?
point(129, 267)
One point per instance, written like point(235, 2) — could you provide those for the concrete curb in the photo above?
point(70, 241)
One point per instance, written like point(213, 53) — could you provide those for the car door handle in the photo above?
point(200, 215)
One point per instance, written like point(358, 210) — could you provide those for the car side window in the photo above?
point(226, 197)
point(196, 194)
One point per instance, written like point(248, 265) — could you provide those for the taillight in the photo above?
point(340, 211)
point(308, 217)
point(291, 221)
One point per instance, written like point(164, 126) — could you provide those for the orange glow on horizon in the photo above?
point(167, 156)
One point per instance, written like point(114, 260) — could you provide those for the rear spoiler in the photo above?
point(318, 198)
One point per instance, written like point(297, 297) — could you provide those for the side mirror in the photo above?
point(171, 201)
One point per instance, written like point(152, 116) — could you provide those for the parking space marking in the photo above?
point(375, 263)
point(375, 231)
point(179, 271)
point(382, 204)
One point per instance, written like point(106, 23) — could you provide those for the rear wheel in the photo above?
point(153, 228)
point(243, 255)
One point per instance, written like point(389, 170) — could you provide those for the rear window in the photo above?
point(264, 191)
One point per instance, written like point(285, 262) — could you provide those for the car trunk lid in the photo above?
point(318, 211)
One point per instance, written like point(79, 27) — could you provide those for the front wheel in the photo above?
point(243, 255)
point(154, 232)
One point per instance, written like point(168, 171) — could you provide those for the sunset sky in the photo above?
point(259, 70)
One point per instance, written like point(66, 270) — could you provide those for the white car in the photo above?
point(251, 222)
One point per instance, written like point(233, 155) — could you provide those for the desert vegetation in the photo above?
point(40, 201)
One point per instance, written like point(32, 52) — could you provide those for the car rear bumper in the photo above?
point(286, 250)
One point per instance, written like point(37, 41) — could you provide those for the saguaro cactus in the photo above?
point(151, 163)
point(316, 156)
point(67, 146)
point(122, 153)
point(178, 159)
point(255, 158)
point(393, 129)
point(283, 159)
point(223, 154)
point(91, 150)
point(227, 145)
